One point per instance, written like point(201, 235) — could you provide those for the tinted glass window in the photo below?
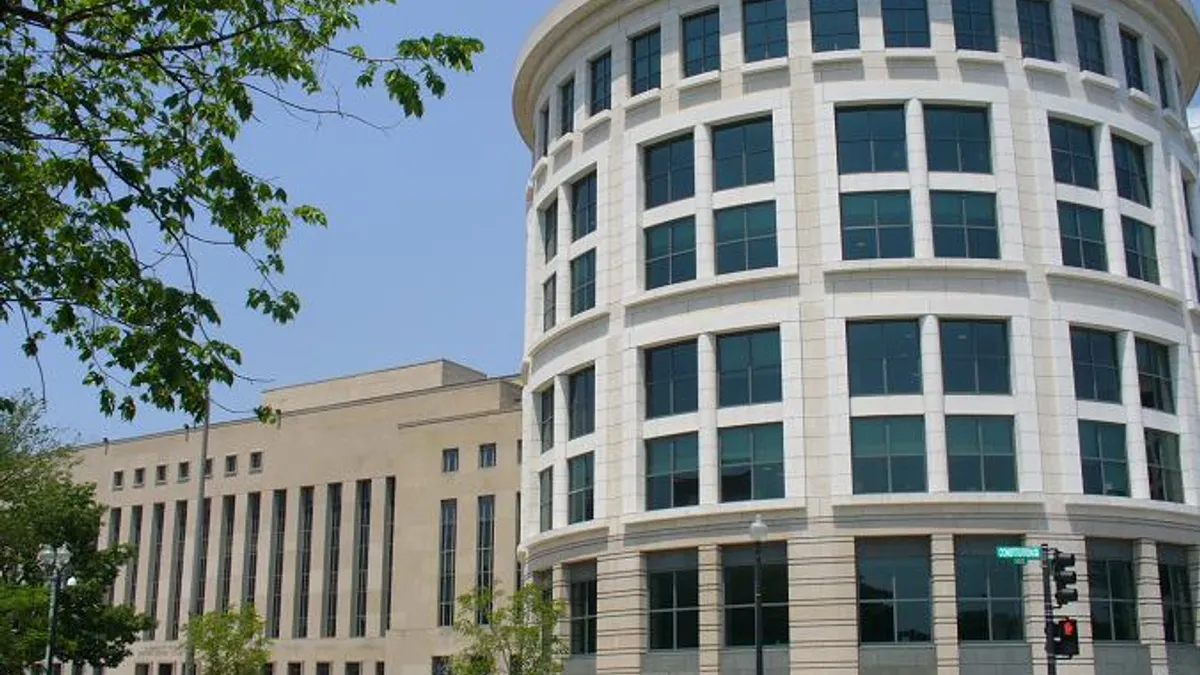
point(982, 454)
point(1081, 231)
point(743, 154)
point(600, 74)
point(1089, 38)
point(1141, 252)
point(671, 253)
point(871, 139)
point(1131, 54)
point(876, 225)
point(888, 454)
point(764, 29)
point(964, 225)
point(975, 357)
point(583, 206)
point(905, 23)
point(671, 383)
point(1165, 471)
point(751, 462)
point(737, 585)
point(1113, 590)
point(1104, 458)
point(581, 404)
point(834, 25)
point(974, 25)
point(749, 368)
point(583, 282)
point(884, 356)
point(1096, 364)
point(1129, 159)
point(1073, 151)
point(645, 55)
point(988, 591)
point(958, 139)
point(1154, 375)
point(1036, 24)
point(672, 472)
point(701, 43)
point(673, 588)
point(746, 238)
point(894, 590)
point(669, 171)
point(1175, 589)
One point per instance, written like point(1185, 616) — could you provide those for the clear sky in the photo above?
point(423, 258)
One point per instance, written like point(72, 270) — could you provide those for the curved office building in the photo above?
point(912, 279)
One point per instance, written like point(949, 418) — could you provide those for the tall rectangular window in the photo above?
point(566, 107)
point(964, 225)
point(549, 222)
point(737, 589)
point(333, 556)
point(546, 500)
point(275, 561)
point(487, 455)
point(1089, 38)
point(669, 170)
point(876, 225)
point(1104, 458)
point(743, 154)
point(1162, 461)
point(582, 610)
point(672, 472)
point(746, 238)
point(885, 357)
point(157, 521)
point(581, 408)
point(447, 549)
point(175, 590)
point(1175, 589)
point(600, 75)
point(114, 538)
point(749, 368)
point(389, 552)
point(485, 553)
point(1188, 186)
point(225, 551)
point(250, 558)
point(1112, 586)
point(671, 379)
point(545, 411)
point(958, 139)
point(1131, 54)
point(1036, 24)
point(888, 454)
point(1141, 250)
point(701, 42)
point(1096, 365)
point(894, 591)
point(975, 357)
point(988, 591)
point(1081, 232)
point(549, 303)
point(202, 580)
point(673, 586)
point(905, 23)
point(1154, 375)
point(581, 488)
point(362, 558)
point(1161, 68)
point(671, 252)
point(449, 460)
point(871, 139)
point(751, 462)
point(645, 62)
point(1073, 152)
point(583, 206)
point(764, 30)
point(1129, 160)
point(974, 25)
point(304, 539)
point(981, 452)
point(544, 130)
point(834, 25)
point(583, 282)
point(135, 542)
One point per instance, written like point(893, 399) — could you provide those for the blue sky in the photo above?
point(424, 254)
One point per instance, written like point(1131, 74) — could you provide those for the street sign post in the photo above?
point(1019, 554)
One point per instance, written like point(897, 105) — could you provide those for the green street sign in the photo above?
point(1019, 554)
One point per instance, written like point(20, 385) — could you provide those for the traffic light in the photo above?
point(1066, 638)
point(1064, 577)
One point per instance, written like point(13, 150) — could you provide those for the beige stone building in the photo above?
point(352, 524)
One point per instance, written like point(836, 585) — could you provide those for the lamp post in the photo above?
point(758, 533)
point(54, 560)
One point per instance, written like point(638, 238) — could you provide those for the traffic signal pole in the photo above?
point(1048, 605)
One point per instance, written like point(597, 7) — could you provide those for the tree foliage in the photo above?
point(230, 642)
point(519, 636)
point(117, 121)
point(40, 505)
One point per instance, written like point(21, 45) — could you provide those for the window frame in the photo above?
point(687, 381)
point(1156, 375)
point(952, 125)
point(600, 83)
point(1074, 157)
point(739, 145)
point(773, 46)
point(1100, 568)
point(680, 446)
point(738, 561)
point(583, 282)
point(905, 551)
point(980, 362)
point(549, 303)
point(708, 22)
point(645, 51)
point(1163, 467)
point(1092, 434)
point(487, 455)
point(985, 472)
point(1175, 593)
point(1078, 248)
point(887, 460)
point(968, 35)
point(1090, 48)
point(748, 250)
point(546, 413)
point(824, 15)
point(906, 354)
point(581, 403)
point(581, 488)
point(679, 572)
point(1036, 31)
point(546, 499)
point(548, 221)
point(886, 152)
point(584, 206)
point(770, 369)
point(1096, 388)
point(450, 460)
point(1131, 59)
point(679, 263)
point(1131, 170)
point(980, 551)
point(680, 179)
point(566, 107)
point(763, 459)
point(1141, 249)
point(908, 12)
point(878, 229)
point(582, 607)
point(980, 238)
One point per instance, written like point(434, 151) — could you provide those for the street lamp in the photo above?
point(54, 560)
point(758, 533)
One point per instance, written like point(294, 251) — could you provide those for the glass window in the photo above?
point(673, 586)
point(485, 553)
point(958, 139)
point(834, 25)
point(894, 590)
point(544, 130)
point(1105, 463)
point(582, 405)
point(988, 591)
point(1089, 37)
point(447, 559)
point(549, 303)
point(884, 356)
point(888, 454)
point(546, 499)
point(1113, 589)
point(749, 368)
point(764, 29)
point(487, 455)
point(583, 206)
point(1129, 158)
point(672, 472)
point(1073, 150)
point(582, 607)
point(964, 225)
point(645, 62)
point(871, 139)
point(876, 225)
point(566, 107)
point(701, 42)
point(545, 410)
point(1131, 53)
point(1188, 186)
point(670, 252)
point(1081, 231)
point(1161, 68)
point(974, 25)
point(982, 456)
point(1141, 252)
point(1036, 24)
point(550, 231)
point(583, 282)
point(669, 171)
point(600, 73)
point(1162, 459)
point(671, 382)
point(737, 586)
point(1154, 375)
point(905, 23)
point(746, 238)
point(743, 154)
point(1175, 588)
point(751, 462)
point(449, 460)
point(975, 357)
point(1096, 364)
point(581, 488)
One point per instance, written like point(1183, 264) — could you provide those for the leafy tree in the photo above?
point(230, 642)
point(39, 505)
point(117, 121)
point(518, 637)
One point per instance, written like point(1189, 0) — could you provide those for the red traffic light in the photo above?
point(1066, 638)
point(1068, 628)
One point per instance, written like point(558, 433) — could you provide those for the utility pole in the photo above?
point(194, 610)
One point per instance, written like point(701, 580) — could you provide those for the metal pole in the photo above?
point(1048, 605)
point(194, 610)
point(55, 573)
point(758, 617)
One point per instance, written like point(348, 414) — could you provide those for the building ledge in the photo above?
point(718, 520)
point(955, 508)
point(765, 65)
point(927, 265)
point(1174, 120)
point(1043, 66)
point(909, 54)
point(566, 326)
point(1099, 80)
point(643, 99)
point(1109, 279)
point(695, 81)
point(722, 281)
point(1143, 99)
point(561, 143)
point(838, 56)
point(596, 120)
point(977, 56)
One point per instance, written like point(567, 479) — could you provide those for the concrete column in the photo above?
point(709, 558)
point(823, 610)
point(1114, 237)
point(1135, 439)
point(1149, 603)
point(621, 608)
point(945, 598)
point(918, 167)
point(710, 461)
point(936, 461)
point(705, 219)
